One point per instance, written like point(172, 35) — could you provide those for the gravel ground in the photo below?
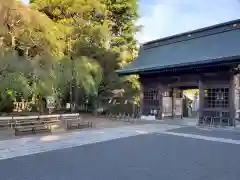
point(143, 157)
point(98, 123)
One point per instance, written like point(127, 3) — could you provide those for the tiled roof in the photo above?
point(204, 46)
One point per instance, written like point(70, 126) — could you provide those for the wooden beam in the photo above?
point(201, 98)
point(232, 107)
point(173, 102)
point(141, 99)
point(160, 93)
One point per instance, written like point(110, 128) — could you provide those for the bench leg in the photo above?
point(16, 132)
point(49, 128)
point(34, 130)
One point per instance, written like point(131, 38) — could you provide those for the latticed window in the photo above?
point(216, 97)
point(151, 97)
point(237, 103)
point(237, 98)
point(178, 94)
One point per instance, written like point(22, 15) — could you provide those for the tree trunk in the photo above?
point(13, 41)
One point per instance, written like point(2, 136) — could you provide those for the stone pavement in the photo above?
point(154, 156)
point(37, 144)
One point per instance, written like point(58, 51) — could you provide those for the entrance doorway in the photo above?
point(190, 103)
point(179, 103)
point(172, 102)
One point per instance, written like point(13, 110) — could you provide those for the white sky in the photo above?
point(162, 18)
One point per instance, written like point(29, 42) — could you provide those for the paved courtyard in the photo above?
point(142, 152)
point(98, 123)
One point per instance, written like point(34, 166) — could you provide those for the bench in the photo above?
point(6, 122)
point(31, 126)
point(34, 124)
point(50, 120)
point(77, 123)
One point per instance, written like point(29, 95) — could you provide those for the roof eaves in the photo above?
point(176, 66)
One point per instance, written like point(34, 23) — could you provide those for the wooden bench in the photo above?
point(5, 123)
point(77, 123)
point(31, 126)
point(50, 121)
point(34, 124)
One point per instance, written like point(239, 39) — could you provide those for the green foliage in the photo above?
point(123, 15)
point(53, 44)
point(85, 73)
point(12, 75)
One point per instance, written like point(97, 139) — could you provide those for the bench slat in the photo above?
point(33, 128)
point(77, 123)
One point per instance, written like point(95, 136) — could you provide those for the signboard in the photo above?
point(68, 105)
point(50, 102)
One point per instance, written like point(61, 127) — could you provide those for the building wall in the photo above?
point(216, 99)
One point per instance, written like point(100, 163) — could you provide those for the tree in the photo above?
point(52, 45)
point(84, 36)
point(123, 16)
point(28, 31)
point(101, 30)
point(13, 81)
point(26, 37)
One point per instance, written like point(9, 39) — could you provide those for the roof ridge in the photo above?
point(184, 39)
point(218, 28)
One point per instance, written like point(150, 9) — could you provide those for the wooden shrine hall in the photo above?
point(206, 59)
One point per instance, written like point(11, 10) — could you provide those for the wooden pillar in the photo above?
point(201, 98)
point(141, 99)
point(232, 108)
point(173, 102)
point(237, 98)
point(160, 99)
point(182, 104)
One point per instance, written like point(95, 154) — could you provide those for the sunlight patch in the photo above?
point(50, 138)
point(142, 132)
point(98, 132)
